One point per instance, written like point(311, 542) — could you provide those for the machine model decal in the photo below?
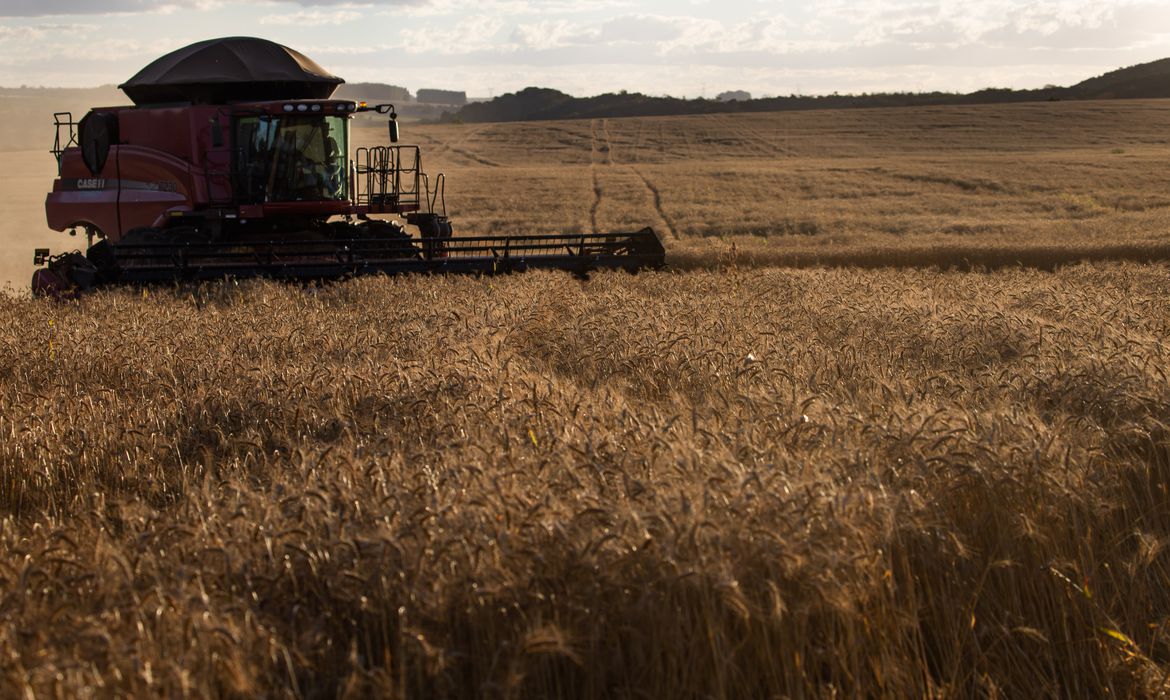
point(89, 184)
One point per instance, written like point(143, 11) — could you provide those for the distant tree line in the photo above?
point(1149, 80)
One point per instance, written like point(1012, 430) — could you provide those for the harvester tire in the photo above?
point(101, 254)
point(401, 245)
point(143, 235)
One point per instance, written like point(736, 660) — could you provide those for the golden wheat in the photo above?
point(741, 484)
point(730, 480)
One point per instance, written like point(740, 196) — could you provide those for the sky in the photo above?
point(688, 48)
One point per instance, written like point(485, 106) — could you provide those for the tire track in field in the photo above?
point(759, 143)
point(474, 157)
point(608, 142)
point(593, 173)
point(657, 196)
point(440, 147)
point(595, 160)
point(691, 151)
point(458, 148)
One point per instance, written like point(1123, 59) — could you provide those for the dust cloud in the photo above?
point(25, 179)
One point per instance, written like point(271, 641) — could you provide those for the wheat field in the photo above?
point(982, 186)
point(936, 467)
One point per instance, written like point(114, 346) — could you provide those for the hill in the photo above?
point(1148, 80)
point(1145, 80)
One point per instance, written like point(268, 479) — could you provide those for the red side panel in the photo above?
point(148, 174)
point(152, 183)
point(80, 198)
point(154, 164)
point(167, 130)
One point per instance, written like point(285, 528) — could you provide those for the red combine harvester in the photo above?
point(234, 161)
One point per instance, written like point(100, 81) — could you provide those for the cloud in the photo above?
point(29, 56)
point(43, 8)
point(1067, 24)
point(646, 28)
point(507, 8)
point(471, 34)
point(41, 32)
point(658, 35)
point(1097, 27)
point(347, 49)
point(549, 34)
point(313, 18)
point(648, 45)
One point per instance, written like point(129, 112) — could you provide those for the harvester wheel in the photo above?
point(399, 244)
point(435, 230)
point(142, 235)
point(130, 255)
point(185, 234)
point(101, 254)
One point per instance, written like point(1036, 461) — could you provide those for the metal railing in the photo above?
point(63, 120)
point(438, 196)
point(387, 179)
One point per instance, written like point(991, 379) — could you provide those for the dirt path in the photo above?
point(657, 197)
point(638, 142)
point(593, 153)
point(458, 148)
point(608, 142)
point(758, 142)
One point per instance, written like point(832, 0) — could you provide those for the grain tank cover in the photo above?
point(229, 69)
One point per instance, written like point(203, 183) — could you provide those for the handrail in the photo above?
point(388, 178)
point(440, 192)
point(58, 149)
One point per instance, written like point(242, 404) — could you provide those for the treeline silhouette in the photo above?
point(1148, 80)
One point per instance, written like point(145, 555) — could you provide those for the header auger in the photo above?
point(234, 161)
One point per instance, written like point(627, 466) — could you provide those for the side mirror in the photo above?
point(393, 131)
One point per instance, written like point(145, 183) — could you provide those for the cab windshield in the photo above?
point(291, 158)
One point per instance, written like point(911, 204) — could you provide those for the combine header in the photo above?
point(235, 162)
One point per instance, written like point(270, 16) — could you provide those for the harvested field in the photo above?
point(981, 186)
point(945, 476)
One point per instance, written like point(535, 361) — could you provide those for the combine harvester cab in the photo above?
point(235, 161)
